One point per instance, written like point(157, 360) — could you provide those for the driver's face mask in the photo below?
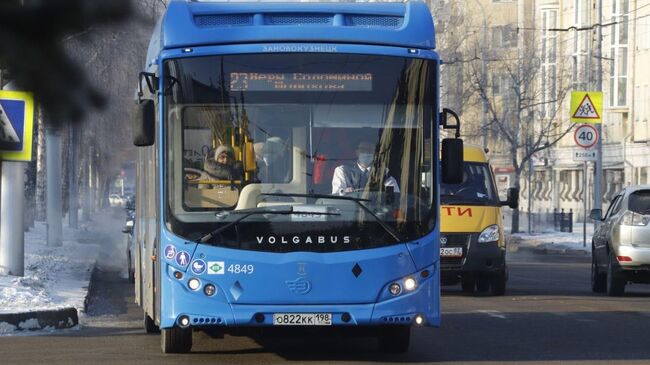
point(366, 158)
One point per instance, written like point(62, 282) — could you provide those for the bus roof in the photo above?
point(190, 23)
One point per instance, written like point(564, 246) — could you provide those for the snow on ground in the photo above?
point(55, 277)
point(556, 242)
point(58, 277)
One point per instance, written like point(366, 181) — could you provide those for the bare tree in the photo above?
point(111, 56)
point(524, 98)
point(452, 37)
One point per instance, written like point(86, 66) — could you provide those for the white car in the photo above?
point(115, 200)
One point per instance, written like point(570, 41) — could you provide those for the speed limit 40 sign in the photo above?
point(586, 136)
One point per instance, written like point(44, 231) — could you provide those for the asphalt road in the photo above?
point(548, 316)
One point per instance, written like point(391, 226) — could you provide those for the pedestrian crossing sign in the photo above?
point(586, 106)
point(16, 125)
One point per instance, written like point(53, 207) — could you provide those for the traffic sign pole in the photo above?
point(584, 201)
point(586, 136)
point(12, 223)
point(598, 167)
point(598, 176)
point(12, 218)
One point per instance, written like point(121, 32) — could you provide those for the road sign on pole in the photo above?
point(16, 125)
point(584, 155)
point(586, 136)
point(586, 107)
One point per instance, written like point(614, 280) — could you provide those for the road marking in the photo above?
point(492, 313)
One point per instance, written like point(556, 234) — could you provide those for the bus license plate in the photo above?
point(451, 251)
point(302, 319)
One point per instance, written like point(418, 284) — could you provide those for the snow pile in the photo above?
point(554, 242)
point(55, 277)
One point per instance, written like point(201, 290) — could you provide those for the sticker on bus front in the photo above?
point(183, 258)
point(216, 267)
point(170, 252)
point(198, 267)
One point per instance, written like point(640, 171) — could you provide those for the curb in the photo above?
point(61, 318)
point(91, 281)
point(38, 320)
point(545, 250)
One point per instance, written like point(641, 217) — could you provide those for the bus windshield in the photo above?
point(477, 187)
point(282, 133)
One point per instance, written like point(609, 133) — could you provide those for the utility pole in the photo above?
point(598, 167)
point(484, 80)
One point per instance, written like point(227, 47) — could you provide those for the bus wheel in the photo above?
point(468, 283)
point(176, 340)
point(150, 325)
point(395, 339)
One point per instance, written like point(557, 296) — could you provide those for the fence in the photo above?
point(550, 221)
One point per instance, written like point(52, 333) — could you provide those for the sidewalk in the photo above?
point(552, 242)
point(56, 282)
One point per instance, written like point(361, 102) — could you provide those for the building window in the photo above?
point(581, 41)
point(504, 36)
point(548, 61)
point(619, 45)
point(643, 33)
point(640, 113)
point(501, 84)
point(641, 103)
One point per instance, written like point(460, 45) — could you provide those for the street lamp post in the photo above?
point(484, 78)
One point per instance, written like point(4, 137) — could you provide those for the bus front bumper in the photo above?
point(205, 312)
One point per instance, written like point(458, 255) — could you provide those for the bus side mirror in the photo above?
point(596, 214)
point(144, 124)
point(513, 198)
point(452, 161)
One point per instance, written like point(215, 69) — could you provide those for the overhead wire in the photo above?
point(592, 26)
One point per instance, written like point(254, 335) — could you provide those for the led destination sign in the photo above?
point(255, 81)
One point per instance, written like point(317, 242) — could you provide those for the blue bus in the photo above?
point(289, 169)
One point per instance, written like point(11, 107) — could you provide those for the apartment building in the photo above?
point(563, 32)
point(625, 80)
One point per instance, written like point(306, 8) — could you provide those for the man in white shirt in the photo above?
point(349, 178)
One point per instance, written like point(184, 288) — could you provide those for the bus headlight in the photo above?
point(490, 234)
point(410, 284)
point(194, 284)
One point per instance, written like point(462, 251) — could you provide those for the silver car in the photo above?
point(621, 243)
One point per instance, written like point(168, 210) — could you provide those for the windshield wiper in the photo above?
point(381, 222)
point(255, 211)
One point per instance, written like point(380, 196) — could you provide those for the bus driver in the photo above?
point(349, 178)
